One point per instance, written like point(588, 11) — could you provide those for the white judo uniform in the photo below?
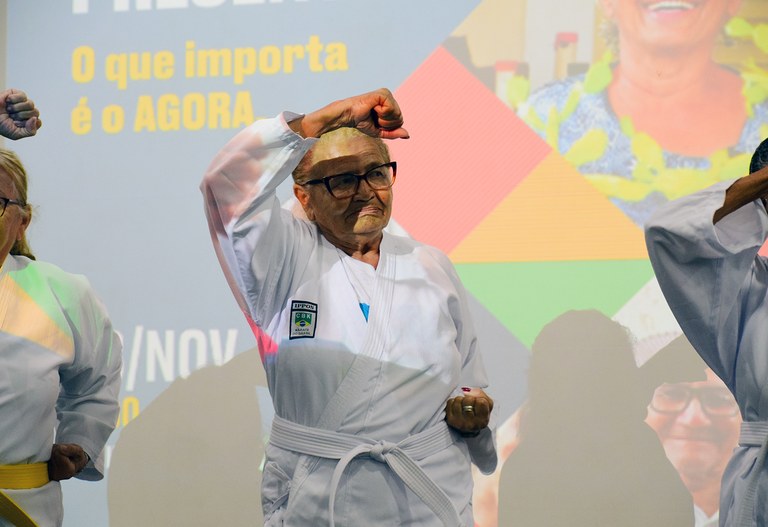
point(379, 386)
point(59, 359)
point(716, 285)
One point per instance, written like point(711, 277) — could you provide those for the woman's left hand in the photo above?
point(469, 413)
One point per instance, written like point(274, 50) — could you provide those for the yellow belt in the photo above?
point(28, 476)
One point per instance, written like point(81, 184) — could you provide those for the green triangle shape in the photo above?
point(525, 296)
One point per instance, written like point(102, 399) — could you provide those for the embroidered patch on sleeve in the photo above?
point(303, 320)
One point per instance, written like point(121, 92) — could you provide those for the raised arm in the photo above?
point(243, 212)
point(374, 113)
point(703, 248)
point(745, 190)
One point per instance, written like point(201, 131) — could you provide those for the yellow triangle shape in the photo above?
point(22, 317)
point(554, 214)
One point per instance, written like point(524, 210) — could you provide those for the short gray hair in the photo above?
point(301, 172)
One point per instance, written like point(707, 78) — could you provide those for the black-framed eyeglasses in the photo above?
point(5, 201)
point(674, 399)
point(343, 186)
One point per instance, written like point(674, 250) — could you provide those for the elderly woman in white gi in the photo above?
point(59, 357)
point(704, 249)
point(366, 337)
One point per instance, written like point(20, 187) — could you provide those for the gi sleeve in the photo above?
point(254, 239)
point(482, 448)
point(87, 406)
point(707, 271)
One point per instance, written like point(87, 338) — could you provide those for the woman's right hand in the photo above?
point(375, 113)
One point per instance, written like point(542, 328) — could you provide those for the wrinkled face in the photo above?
point(670, 24)
point(699, 439)
point(362, 216)
point(14, 222)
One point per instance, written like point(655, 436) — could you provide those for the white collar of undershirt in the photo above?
point(702, 520)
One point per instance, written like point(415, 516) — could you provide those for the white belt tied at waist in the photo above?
point(753, 434)
point(399, 457)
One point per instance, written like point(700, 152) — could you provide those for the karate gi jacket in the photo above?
point(60, 360)
point(418, 347)
point(716, 284)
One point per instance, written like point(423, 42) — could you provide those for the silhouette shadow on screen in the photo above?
point(585, 456)
point(192, 457)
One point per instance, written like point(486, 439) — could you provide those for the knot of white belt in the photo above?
point(381, 449)
point(399, 457)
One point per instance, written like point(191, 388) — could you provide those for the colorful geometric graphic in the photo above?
point(530, 236)
point(553, 214)
point(525, 296)
point(466, 153)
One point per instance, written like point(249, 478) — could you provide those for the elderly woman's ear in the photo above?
point(303, 197)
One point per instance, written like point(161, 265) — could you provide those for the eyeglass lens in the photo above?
point(673, 399)
point(345, 185)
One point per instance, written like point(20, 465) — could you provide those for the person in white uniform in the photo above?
point(704, 250)
point(60, 360)
point(366, 337)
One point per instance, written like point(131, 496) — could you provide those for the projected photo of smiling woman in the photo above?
point(661, 114)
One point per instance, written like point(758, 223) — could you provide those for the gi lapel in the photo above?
point(368, 359)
